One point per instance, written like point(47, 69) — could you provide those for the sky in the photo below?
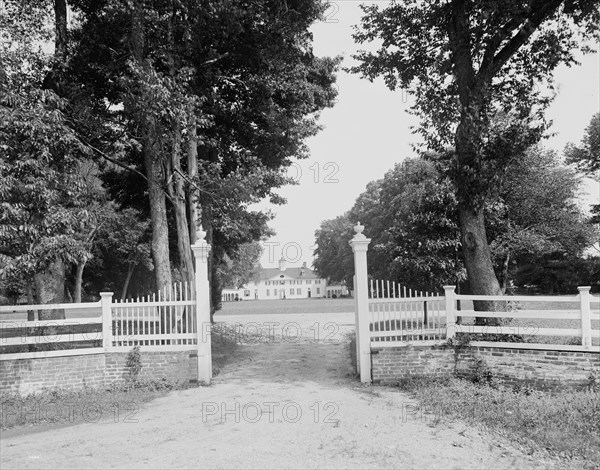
point(368, 131)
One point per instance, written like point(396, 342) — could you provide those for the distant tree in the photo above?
point(242, 267)
point(410, 216)
point(537, 214)
point(333, 255)
point(586, 155)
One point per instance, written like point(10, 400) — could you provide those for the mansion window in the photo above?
point(318, 290)
point(298, 291)
point(309, 281)
point(291, 291)
point(268, 292)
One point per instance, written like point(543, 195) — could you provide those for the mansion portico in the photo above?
point(280, 283)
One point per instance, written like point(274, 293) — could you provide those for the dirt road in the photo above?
point(283, 404)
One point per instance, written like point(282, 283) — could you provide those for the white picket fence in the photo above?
point(166, 318)
point(398, 314)
point(389, 315)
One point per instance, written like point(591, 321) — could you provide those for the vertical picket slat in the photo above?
point(158, 319)
point(422, 307)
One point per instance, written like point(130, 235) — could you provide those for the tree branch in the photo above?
point(538, 16)
point(110, 159)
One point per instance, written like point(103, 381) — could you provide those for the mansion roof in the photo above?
point(288, 273)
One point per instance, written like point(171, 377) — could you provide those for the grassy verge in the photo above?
point(566, 423)
point(119, 402)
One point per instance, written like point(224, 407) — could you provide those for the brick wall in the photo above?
point(539, 368)
point(25, 376)
point(180, 366)
point(390, 365)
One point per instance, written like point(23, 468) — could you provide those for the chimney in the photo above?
point(282, 264)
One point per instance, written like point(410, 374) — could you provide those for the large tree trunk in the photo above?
point(153, 163)
point(178, 199)
point(478, 260)
point(176, 188)
point(60, 36)
point(130, 269)
point(78, 281)
point(158, 218)
point(192, 165)
point(476, 250)
point(50, 289)
point(211, 155)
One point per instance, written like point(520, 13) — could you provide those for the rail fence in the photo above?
point(398, 316)
point(163, 320)
point(390, 315)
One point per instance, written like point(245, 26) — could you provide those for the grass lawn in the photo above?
point(254, 307)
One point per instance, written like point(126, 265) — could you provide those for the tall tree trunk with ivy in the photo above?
point(153, 161)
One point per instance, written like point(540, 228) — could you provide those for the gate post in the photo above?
point(356, 340)
point(107, 324)
point(201, 250)
point(450, 311)
point(586, 321)
point(360, 245)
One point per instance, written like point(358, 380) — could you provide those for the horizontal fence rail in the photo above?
point(402, 316)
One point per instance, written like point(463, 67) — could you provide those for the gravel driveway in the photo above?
point(287, 402)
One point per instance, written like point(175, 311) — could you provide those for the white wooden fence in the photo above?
point(173, 319)
point(166, 320)
point(389, 315)
point(398, 314)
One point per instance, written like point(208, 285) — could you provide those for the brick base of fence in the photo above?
point(540, 369)
point(25, 376)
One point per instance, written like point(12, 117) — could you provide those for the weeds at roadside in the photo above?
point(119, 401)
point(564, 423)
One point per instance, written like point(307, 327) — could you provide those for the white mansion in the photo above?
point(283, 283)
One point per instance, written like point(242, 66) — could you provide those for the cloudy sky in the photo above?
point(368, 131)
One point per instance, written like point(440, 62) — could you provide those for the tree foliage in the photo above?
point(410, 216)
point(471, 65)
point(189, 111)
point(586, 155)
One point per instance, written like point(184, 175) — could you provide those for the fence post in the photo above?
point(359, 245)
point(450, 311)
point(201, 250)
point(107, 330)
point(586, 319)
point(357, 341)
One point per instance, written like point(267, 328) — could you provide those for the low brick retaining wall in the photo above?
point(539, 368)
point(32, 375)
